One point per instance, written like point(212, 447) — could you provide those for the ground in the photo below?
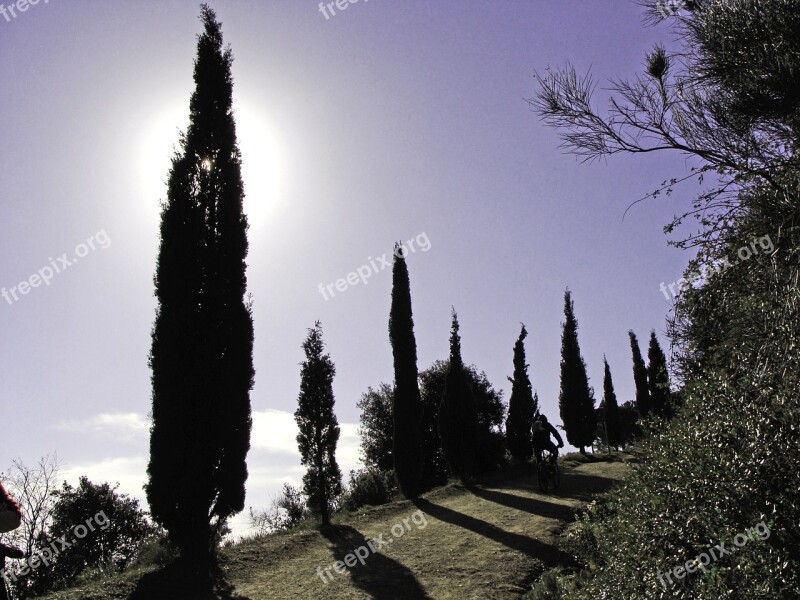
point(483, 541)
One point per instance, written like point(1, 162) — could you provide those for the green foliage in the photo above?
point(458, 414)
point(658, 379)
point(407, 450)
point(576, 398)
point(376, 427)
point(613, 426)
point(368, 487)
point(318, 426)
point(286, 512)
point(630, 429)
point(643, 402)
point(107, 530)
point(547, 588)
point(731, 460)
point(156, 552)
point(521, 405)
point(202, 372)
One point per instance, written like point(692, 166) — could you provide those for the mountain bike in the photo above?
point(548, 471)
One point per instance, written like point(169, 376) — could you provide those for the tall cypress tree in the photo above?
point(576, 399)
point(643, 402)
point(202, 339)
point(318, 426)
point(520, 406)
point(658, 378)
point(611, 409)
point(407, 440)
point(458, 415)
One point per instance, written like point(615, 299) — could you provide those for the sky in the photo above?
point(360, 127)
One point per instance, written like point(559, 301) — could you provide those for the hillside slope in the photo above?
point(485, 541)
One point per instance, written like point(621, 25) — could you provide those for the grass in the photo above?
point(492, 539)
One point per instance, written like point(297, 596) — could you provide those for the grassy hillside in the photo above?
point(490, 540)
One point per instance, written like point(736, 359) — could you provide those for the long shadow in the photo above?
point(576, 486)
point(380, 576)
point(523, 503)
point(176, 582)
point(547, 553)
point(585, 487)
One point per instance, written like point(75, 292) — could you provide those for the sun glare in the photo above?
point(262, 166)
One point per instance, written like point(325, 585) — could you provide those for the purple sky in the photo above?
point(387, 121)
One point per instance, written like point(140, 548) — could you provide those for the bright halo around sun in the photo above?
point(157, 147)
point(262, 167)
point(262, 163)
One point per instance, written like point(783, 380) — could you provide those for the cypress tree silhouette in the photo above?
point(202, 338)
point(576, 399)
point(658, 379)
point(318, 426)
point(643, 401)
point(458, 415)
point(521, 406)
point(407, 436)
point(611, 409)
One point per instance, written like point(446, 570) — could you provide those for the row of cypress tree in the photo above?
point(202, 345)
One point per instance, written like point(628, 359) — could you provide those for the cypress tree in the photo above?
point(658, 378)
point(576, 398)
point(643, 402)
point(521, 407)
point(458, 415)
point(318, 426)
point(611, 409)
point(202, 338)
point(407, 440)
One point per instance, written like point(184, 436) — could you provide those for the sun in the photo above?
point(262, 164)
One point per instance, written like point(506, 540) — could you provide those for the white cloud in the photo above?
point(273, 460)
point(275, 431)
point(130, 472)
point(121, 427)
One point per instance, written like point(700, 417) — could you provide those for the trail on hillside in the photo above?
point(485, 541)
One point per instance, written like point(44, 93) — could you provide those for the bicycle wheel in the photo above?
point(544, 478)
point(555, 473)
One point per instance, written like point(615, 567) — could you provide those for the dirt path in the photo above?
point(484, 542)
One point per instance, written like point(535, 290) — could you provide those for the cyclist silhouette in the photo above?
point(542, 430)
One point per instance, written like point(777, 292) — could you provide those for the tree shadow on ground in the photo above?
point(576, 486)
point(524, 503)
point(380, 576)
point(177, 582)
point(581, 486)
point(529, 546)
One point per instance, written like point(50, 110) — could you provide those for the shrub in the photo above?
point(286, 512)
point(368, 487)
